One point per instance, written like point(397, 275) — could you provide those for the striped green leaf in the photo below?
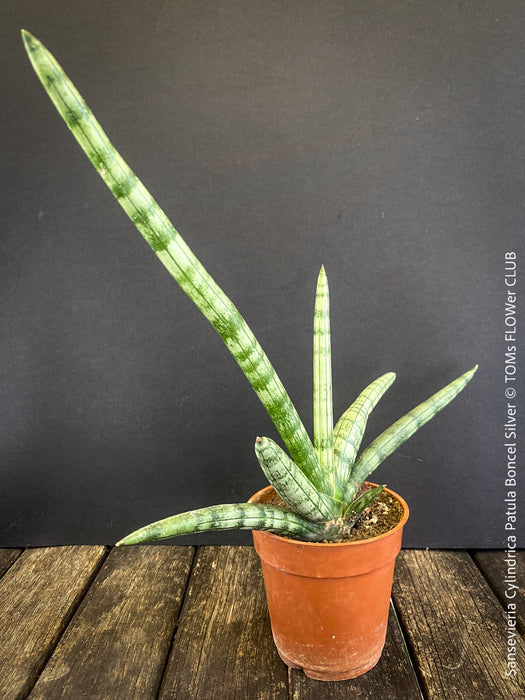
point(348, 432)
point(356, 508)
point(174, 253)
point(235, 516)
point(401, 430)
point(322, 403)
point(292, 485)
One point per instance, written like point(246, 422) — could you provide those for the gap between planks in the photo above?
point(502, 574)
point(455, 627)
point(236, 589)
point(36, 606)
point(116, 645)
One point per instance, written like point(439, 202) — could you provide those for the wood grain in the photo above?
point(223, 647)
point(495, 569)
point(8, 557)
point(75, 626)
point(117, 644)
point(392, 678)
point(38, 596)
point(455, 627)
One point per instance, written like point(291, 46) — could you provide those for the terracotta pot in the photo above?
point(329, 603)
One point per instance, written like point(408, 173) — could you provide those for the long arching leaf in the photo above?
point(239, 516)
point(174, 253)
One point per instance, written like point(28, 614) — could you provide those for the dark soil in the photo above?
point(380, 517)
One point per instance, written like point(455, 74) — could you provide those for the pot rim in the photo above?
point(354, 543)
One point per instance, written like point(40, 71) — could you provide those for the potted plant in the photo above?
point(328, 584)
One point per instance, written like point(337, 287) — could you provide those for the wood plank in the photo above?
point(223, 647)
point(393, 677)
point(38, 596)
point(498, 566)
point(7, 558)
point(455, 627)
point(118, 642)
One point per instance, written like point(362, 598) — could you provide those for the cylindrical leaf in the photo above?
point(348, 432)
point(322, 354)
point(292, 485)
point(240, 516)
point(401, 430)
point(180, 261)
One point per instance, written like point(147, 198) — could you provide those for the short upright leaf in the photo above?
point(350, 428)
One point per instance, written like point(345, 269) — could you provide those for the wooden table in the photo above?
point(191, 623)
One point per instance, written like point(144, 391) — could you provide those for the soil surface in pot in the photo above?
point(380, 517)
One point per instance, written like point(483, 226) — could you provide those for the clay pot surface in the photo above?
point(329, 602)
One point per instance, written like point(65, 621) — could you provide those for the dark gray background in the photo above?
point(385, 140)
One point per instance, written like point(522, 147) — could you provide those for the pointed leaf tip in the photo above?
point(180, 262)
point(471, 372)
point(29, 40)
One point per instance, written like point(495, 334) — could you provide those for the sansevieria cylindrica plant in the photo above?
point(319, 482)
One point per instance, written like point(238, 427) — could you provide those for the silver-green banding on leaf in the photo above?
point(318, 480)
point(292, 485)
point(348, 433)
point(234, 516)
point(322, 375)
point(405, 427)
point(182, 264)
